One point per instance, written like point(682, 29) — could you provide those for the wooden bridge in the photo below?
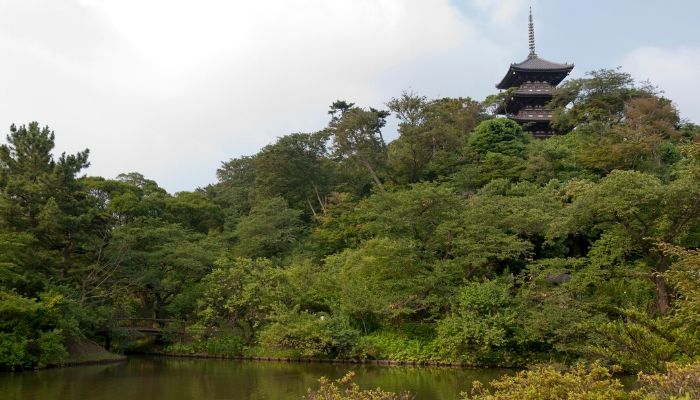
point(148, 326)
point(130, 327)
point(158, 328)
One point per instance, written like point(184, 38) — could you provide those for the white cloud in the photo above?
point(170, 88)
point(674, 70)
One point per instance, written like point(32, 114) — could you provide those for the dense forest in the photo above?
point(464, 239)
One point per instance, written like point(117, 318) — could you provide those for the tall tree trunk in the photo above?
point(311, 207)
point(374, 175)
point(662, 294)
point(251, 333)
point(318, 197)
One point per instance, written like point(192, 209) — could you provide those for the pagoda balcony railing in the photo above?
point(534, 88)
point(532, 114)
point(534, 92)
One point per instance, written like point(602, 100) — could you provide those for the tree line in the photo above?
point(464, 239)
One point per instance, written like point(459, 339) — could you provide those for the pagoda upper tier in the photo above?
point(534, 69)
point(534, 81)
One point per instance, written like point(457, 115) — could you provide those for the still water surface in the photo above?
point(179, 379)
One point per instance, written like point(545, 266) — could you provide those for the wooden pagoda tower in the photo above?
point(533, 81)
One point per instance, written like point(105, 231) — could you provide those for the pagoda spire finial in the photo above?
point(531, 35)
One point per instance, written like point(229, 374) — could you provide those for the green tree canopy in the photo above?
point(270, 229)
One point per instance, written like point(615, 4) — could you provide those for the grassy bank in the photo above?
point(88, 352)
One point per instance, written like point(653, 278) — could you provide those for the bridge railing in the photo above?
point(163, 327)
point(150, 323)
point(149, 326)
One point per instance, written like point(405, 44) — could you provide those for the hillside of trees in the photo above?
point(463, 240)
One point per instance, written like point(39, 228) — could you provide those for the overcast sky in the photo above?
point(172, 88)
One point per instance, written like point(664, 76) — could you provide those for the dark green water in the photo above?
point(176, 379)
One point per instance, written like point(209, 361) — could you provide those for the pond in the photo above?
point(179, 378)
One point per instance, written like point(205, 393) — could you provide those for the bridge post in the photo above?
point(108, 341)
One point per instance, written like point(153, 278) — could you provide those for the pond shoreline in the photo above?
point(301, 360)
point(79, 363)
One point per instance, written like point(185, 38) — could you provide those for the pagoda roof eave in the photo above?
point(567, 68)
point(532, 64)
point(506, 82)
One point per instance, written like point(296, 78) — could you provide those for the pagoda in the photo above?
point(533, 81)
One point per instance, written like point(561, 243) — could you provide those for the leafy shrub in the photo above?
point(32, 331)
point(52, 351)
point(481, 328)
point(345, 389)
point(684, 318)
point(305, 334)
point(228, 346)
point(13, 351)
point(635, 343)
point(640, 342)
point(499, 135)
point(224, 346)
point(399, 346)
point(180, 348)
point(546, 383)
point(491, 166)
point(679, 382)
point(382, 279)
